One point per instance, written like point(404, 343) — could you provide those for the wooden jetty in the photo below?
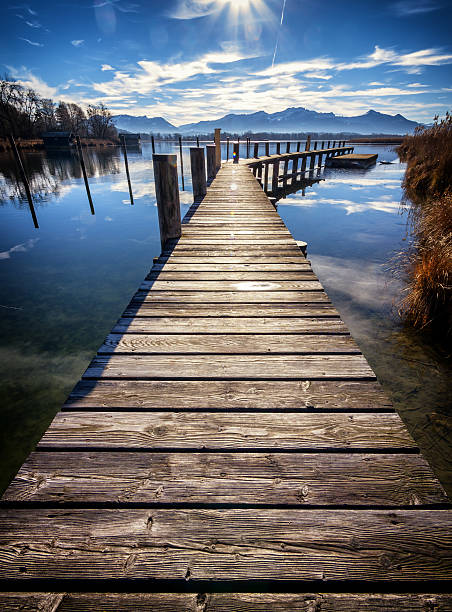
point(227, 449)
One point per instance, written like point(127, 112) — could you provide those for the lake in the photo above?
point(64, 284)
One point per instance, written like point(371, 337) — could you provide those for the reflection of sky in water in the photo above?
point(63, 286)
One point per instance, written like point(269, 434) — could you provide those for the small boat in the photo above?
point(385, 162)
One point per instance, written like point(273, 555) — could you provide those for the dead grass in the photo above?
point(428, 185)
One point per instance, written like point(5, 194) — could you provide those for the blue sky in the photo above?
point(187, 60)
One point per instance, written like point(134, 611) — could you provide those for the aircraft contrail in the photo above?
point(280, 24)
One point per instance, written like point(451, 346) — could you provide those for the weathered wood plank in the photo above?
point(219, 478)
point(145, 343)
point(222, 431)
point(145, 309)
point(225, 602)
point(254, 260)
point(220, 276)
point(224, 285)
point(218, 297)
point(324, 545)
point(229, 395)
point(230, 366)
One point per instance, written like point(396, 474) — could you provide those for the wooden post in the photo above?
point(259, 173)
point(24, 178)
point(197, 141)
point(308, 143)
point(85, 177)
point(227, 148)
point(265, 186)
point(167, 193)
point(323, 145)
point(248, 148)
point(298, 146)
point(181, 163)
point(315, 145)
point(288, 147)
point(211, 161)
point(328, 144)
point(320, 160)
point(312, 162)
point(126, 162)
point(153, 144)
point(304, 159)
point(267, 149)
point(217, 139)
point(275, 177)
point(294, 168)
point(256, 149)
point(278, 148)
point(198, 172)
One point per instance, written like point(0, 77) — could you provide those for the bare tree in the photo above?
point(100, 122)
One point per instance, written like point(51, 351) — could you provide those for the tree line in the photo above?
point(25, 114)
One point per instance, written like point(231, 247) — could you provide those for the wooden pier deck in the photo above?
point(227, 449)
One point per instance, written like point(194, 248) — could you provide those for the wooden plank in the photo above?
point(215, 275)
point(223, 285)
point(225, 602)
point(298, 544)
point(145, 343)
point(272, 268)
point(218, 297)
point(229, 395)
point(194, 311)
point(259, 260)
point(219, 478)
point(229, 366)
point(224, 431)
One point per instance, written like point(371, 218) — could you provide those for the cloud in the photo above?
point(193, 9)
point(406, 8)
point(19, 248)
point(28, 79)
point(77, 43)
point(31, 42)
point(106, 67)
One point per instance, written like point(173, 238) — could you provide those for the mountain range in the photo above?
point(296, 119)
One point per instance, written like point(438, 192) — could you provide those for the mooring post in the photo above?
point(275, 177)
point(198, 172)
point(236, 152)
point(153, 144)
point(217, 139)
point(256, 150)
point(181, 163)
point(126, 163)
point(211, 162)
point(167, 194)
point(308, 143)
point(85, 177)
point(24, 178)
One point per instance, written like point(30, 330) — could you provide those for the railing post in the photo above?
point(153, 144)
point(256, 149)
point(198, 172)
point(308, 143)
point(267, 149)
point(227, 148)
point(278, 148)
point(294, 168)
point(304, 159)
point(312, 162)
point(298, 146)
point(211, 161)
point(217, 139)
point(323, 144)
point(236, 152)
point(265, 177)
point(167, 194)
point(288, 147)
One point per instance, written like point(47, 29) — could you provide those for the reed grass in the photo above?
point(427, 303)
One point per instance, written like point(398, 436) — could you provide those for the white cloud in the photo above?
point(193, 9)
point(405, 8)
point(77, 43)
point(31, 42)
point(28, 79)
point(106, 67)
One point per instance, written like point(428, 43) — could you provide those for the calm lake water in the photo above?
point(65, 284)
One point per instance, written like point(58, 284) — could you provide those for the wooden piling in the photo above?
point(308, 143)
point(181, 163)
point(256, 150)
point(85, 177)
point(126, 163)
point(24, 178)
point(197, 141)
point(167, 194)
point(278, 148)
point(217, 139)
point(198, 172)
point(275, 177)
point(211, 161)
point(153, 144)
point(267, 149)
point(236, 152)
point(227, 148)
point(265, 185)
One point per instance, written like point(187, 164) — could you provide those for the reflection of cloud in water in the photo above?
point(186, 197)
point(364, 283)
point(361, 182)
point(108, 219)
point(350, 206)
point(19, 248)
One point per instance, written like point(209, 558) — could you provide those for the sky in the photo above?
point(192, 60)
